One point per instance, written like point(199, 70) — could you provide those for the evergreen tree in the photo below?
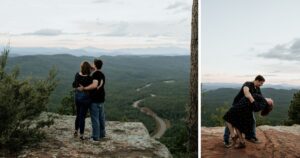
point(217, 117)
point(192, 119)
point(294, 110)
point(68, 105)
point(21, 102)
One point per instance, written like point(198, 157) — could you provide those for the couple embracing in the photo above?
point(90, 94)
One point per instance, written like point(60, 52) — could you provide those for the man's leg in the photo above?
point(251, 136)
point(94, 111)
point(226, 134)
point(252, 133)
point(227, 144)
point(102, 120)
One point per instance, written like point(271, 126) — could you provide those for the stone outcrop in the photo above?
point(276, 142)
point(124, 139)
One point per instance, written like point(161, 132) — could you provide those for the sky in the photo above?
point(105, 24)
point(241, 39)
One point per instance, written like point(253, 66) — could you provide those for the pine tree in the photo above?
point(193, 107)
point(294, 109)
point(21, 102)
point(68, 105)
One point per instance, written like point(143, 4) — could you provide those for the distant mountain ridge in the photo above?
point(214, 86)
point(96, 52)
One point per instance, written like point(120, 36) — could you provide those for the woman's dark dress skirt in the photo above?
point(241, 116)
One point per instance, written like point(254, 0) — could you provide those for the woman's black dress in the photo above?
point(240, 115)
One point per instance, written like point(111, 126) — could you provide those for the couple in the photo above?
point(240, 117)
point(89, 94)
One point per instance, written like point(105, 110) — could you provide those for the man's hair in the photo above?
point(85, 68)
point(259, 78)
point(98, 63)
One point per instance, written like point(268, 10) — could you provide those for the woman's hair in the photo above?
point(85, 68)
point(267, 109)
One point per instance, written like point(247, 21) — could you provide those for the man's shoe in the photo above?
point(93, 140)
point(253, 140)
point(227, 144)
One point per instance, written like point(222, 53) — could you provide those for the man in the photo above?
point(247, 90)
point(97, 94)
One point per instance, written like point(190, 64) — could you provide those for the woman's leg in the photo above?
point(239, 135)
point(83, 110)
point(231, 129)
point(241, 144)
point(77, 118)
point(82, 118)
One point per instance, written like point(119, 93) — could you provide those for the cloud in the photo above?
point(46, 32)
point(179, 7)
point(172, 29)
point(119, 29)
point(100, 1)
point(288, 51)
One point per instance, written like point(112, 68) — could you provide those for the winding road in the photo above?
point(160, 123)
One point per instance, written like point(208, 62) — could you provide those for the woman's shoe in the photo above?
point(82, 137)
point(240, 145)
point(234, 138)
point(75, 133)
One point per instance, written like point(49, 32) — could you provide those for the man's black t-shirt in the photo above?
point(98, 95)
point(252, 90)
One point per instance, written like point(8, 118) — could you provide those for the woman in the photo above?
point(82, 98)
point(240, 116)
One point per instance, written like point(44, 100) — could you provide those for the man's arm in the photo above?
point(248, 94)
point(101, 83)
point(89, 87)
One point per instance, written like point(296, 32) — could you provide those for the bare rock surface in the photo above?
point(124, 139)
point(276, 142)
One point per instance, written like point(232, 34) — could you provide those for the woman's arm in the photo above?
point(75, 84)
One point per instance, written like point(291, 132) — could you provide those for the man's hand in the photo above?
point(80, 88)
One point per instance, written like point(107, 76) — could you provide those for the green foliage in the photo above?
point(294, 110)
point(68, 106)
point(217, 117)
point(262, 120)
point(176, 139)
point(22, 101)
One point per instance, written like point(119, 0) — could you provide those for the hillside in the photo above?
point(127, 78)
point(121, 71)
point(224, 96)
point(276, 142)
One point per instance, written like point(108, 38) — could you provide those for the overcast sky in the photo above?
point(243, 38)
point(107, 24)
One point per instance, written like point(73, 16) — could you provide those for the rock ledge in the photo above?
point(124, 139)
